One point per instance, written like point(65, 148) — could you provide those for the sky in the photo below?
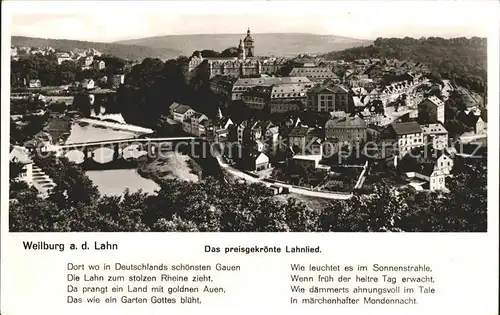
point(107, 21)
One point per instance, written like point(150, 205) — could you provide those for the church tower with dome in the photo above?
point(249, 44)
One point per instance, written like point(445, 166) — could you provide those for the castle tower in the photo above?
point(241, 50)
point(249, 47)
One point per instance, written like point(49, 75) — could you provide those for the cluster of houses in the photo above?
point(85, 58)
point(75, 55)
point(84, 61)
point(364, 99)
point(359, 98)
point(21, 51)
point(297, 93)
point(87, 84)
point(312, 146)
point(319, 89)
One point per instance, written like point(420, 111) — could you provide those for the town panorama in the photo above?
point(389, 135)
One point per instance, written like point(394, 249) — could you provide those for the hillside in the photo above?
point(129, 52)
point(462, 60)
point(278, 44)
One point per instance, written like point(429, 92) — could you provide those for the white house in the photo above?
point(407, 135)
point(434, 178)
point(35, 83)
point(20, 155)
point(260, 161)
point(240, 130)
point(88, 84)
point(98, 64)
point(436, 135)
point(260, 145)
point(197, 124)
point(228, 123)
point(181, 112)
point(271, 137)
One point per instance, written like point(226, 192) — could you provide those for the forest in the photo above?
point(211, 206)
point(462, 60)
point(46, 69)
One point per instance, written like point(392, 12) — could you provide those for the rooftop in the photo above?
point(181, 109)
point(308, 157)
point(346, 122)
point(19, 154)
point(270, 81)
point(328, 88)
point(433, 129)
point(406, 128)
point(436, 101)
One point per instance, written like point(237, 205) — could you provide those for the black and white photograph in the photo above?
point(346, 121)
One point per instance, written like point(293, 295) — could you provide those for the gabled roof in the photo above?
point(313, 71)
point(19, 154)
point(429, 154)
point(427, 169)
point(288, 90)
point(273, 130)
point(182, 109)
point(173, 106)
point(469, 119)
point(263, 124)
point(298, 131)
point(198, 115)
point(346, 122)
point(328, 88)
point(406, 128)
point(268, 81)
point(435, 129)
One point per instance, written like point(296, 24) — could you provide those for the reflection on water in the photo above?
point(90, 133)
point(114, 182)
point(111, 182)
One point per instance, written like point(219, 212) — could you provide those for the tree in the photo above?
point(459, 59)
point(229, 52)
point(73, 187)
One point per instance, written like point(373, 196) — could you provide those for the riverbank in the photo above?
point(171, 165)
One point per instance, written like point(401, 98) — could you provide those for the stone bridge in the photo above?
point(103, 152)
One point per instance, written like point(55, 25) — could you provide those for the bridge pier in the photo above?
point(117, 151)
point(152, 149)
point(88, 154)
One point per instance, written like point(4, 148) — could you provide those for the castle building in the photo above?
point(243, 65)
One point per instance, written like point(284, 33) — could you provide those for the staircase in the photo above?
point(42, 182)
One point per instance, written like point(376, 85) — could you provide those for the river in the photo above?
point(111, 182)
